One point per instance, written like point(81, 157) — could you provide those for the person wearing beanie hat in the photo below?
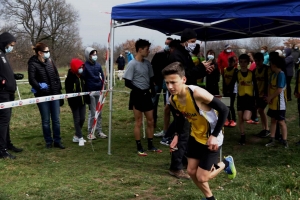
point(7, 90)
point(224, 56)
point(75, 84)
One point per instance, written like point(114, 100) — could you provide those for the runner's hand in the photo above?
point(212, 143)
point(173, 145)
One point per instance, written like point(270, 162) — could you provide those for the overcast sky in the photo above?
point(95, 23)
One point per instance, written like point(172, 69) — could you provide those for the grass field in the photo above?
point(81, 173)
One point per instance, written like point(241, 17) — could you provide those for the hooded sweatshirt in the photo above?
point(91, 72)
point(7, 79)
point(289, 62)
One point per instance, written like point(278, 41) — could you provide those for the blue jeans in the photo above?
point(47, 109)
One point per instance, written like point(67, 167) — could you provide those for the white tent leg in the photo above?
point(112, 35)
point(144, 134)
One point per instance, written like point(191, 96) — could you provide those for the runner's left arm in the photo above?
point(202, 96)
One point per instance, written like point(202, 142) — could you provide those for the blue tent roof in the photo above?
point(214, 19)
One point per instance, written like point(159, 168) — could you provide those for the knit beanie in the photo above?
point(188, 34)
point(75, 65)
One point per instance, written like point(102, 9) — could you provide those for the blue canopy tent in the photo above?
point(211, 19)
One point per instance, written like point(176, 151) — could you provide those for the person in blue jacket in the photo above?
point(129, 56)
point(92, 73)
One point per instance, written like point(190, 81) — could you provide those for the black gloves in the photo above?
point(19, 76)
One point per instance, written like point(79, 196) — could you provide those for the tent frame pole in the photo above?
point(112, 35)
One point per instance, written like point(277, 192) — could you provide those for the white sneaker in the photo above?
point(159, 134)
point(75, 139)
point(102, 135)
point(81, 141)
point(91, 137)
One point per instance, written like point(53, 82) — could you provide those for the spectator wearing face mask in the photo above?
point(44, 80)
point(296, 57)
point(94, 80)
point(159, 62)
point(212, 79)
point(121, 62)
point(75, 84)
point(8, 87)
point(264, 50)
point(289, 62)
point(223, 58)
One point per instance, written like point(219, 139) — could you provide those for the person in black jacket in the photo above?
point(7, 90)
point(159, 62)
point(44, 79)
point(121, 62)
point(75, 84)
point(212, 79)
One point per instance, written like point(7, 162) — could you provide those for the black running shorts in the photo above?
point(206, 157)
point(140, 100)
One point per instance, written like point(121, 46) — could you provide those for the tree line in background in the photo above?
point(55, 23)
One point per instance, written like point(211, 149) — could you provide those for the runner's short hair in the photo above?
point(141, 44)
point(174, 68)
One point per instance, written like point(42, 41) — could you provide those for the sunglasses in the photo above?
point(45, 51)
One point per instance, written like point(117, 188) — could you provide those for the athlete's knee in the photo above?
point(202, 178)
point(192, 171)
point(138, 122)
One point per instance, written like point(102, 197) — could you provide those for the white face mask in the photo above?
point(296, 47)
point(190, 47)
point(284, 54)
point(210, 57)
point(47, 55)
point(94, 58)
point(228, 50)
point(262, 51)
point(9, 49)
point(80, 70)
point(121, 55)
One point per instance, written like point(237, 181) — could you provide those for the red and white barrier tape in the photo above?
point(11, 104)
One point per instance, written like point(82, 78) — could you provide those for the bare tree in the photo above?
point(255, 44)
point(51, 21)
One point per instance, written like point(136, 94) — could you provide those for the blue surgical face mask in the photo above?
point(9, 49)
point(284, 54)
point(210, 57)
point(190, 47)
point(167, 48)
point(80, 70)
point(94, 58)
point(47, 55)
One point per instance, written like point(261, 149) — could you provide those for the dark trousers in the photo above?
point(288, 87)
point(155, 100)
point(296, 69)
point(178, 157)
point(5, 116)
point(78, 118)
point(298, 101)
point(231, 114)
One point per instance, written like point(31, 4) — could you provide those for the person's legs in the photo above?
point(55, 111)
point(44, 109)
point(178, 155)
point(167, 116)
point(92, 107)
point(150, 123)
point(288, 87)
point(241, 121)
point(232, 109)
point(264, 119)
point(283, 129)
point(5, 115)
point(77, 121)
point(137, 130)
point(155, 101)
